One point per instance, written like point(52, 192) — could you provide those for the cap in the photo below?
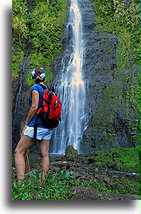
point(42, 75)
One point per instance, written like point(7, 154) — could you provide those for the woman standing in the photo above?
point(43, 134)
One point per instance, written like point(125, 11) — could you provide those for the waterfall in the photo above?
point(72, 87)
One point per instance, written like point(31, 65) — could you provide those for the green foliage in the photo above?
point(122, 186)
point(125, 186)
point(19, 19)
point(125, 158)
point(17, 60)
point(55, 187)
point(43, 28)
point(122, 20)
point(20, 33)
point(123, 49)
point(133, 93)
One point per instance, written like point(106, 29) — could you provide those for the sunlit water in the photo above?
point(72, 89)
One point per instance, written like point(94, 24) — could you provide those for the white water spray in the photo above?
point(72, 89)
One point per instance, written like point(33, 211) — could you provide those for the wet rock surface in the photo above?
point(20, 103)
point(106, 87)
point(86, 193)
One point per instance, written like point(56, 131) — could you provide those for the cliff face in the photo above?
point(20, 101)
point(113, 123)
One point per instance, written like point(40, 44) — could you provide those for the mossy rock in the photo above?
point(71, 153)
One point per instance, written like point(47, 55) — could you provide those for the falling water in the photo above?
point(72, 88)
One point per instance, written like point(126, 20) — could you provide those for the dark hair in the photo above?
point(38, 72)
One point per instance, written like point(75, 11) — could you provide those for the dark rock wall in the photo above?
point(20, 102)
point(109, 125)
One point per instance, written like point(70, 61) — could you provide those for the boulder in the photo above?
point(87, 193)
point(54, 168)
point(71, 153)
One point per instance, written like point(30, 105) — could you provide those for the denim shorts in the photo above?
point(42, 133)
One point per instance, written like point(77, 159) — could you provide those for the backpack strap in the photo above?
point(49, 102)
point(43, 86)
point(35, 127)
point(46, 87)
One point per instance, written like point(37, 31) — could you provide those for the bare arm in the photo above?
point(33, 109)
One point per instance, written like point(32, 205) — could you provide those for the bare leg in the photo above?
point(24, 143)
point(43, 148)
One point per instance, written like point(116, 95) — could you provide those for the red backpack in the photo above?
point(50, 112)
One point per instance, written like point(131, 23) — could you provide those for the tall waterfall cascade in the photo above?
point(72, 88)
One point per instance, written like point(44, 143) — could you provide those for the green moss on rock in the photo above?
point(110, 103)
point(121, 19)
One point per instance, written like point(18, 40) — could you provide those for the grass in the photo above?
point(125, 158)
